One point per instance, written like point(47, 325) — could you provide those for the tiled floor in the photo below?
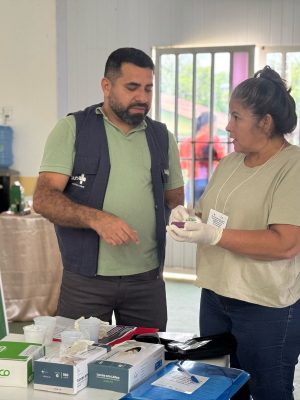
point(183, 307)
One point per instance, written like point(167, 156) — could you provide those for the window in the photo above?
point(286, 61)
point(192, 93)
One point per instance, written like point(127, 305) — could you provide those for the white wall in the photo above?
point(88, 30)
point(28, 76)
point(97, 27)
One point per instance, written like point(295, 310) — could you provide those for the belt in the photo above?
point(149, 275)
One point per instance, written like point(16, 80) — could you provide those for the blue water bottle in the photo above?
point(6, 154)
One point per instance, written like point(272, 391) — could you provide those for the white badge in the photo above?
point(218, 219)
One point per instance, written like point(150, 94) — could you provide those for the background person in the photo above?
point(202, 143)
point(107, 176)
point(248, 254)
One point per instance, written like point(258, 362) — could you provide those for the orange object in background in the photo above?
point(201, 143)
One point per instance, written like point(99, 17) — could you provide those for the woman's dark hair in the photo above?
point(267, 93)
point(126, 55)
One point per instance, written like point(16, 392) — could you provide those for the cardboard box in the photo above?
point(16, 362)
point(126, 365)
point(65, 374)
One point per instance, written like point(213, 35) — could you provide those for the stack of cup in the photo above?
point(49, 324)
point(70, 337)
point(70, 343)
point(90, 327)
point(34, 333)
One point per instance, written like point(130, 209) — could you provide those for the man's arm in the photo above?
point(49, 201)
point(174, 197)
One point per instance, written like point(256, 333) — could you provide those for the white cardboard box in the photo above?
point(65, 374)
point(126, 365)
point(16, 362)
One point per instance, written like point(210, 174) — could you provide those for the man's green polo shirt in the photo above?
point(129, 191)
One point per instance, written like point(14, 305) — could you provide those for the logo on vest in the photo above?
point(78, 180)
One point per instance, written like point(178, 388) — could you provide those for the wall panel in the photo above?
point(96, 27)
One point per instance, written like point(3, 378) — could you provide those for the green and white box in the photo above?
point(16, 362)
point(126, 365)
point(65, 374)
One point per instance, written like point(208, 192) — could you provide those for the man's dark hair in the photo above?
point(126, 55)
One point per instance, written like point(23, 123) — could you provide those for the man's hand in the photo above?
point(196, 232)
point(113, 230)
point(51, 202)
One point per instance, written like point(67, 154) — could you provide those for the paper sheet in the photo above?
point(180, 382)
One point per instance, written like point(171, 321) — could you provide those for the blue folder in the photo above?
point(222, 384)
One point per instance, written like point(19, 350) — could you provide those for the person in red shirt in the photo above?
point(202, 143)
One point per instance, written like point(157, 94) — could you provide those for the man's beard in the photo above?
point(125, 115)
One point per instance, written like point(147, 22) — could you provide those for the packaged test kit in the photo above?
point(66, 373)
point(125, 366)
point(16, 362)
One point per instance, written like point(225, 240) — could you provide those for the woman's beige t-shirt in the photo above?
point(252, 198)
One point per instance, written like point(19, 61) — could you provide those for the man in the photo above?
point(107, 176)
point(202, 144)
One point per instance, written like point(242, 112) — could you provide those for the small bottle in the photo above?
point(17, 198)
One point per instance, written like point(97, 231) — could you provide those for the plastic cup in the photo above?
point(70, 337)
point(34, 333)
point(90, 328)
point(49, 323)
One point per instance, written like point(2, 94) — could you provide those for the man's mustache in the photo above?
point(141, 105)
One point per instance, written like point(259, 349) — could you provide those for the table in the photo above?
point(17, 393)
point(30, 266)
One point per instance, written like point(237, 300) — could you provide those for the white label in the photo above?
point(175, 380)
point(217, 219)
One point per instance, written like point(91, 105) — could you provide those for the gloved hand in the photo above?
point(178, 214)
point(182, 214)
point(196, 232)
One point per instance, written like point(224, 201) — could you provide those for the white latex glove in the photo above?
point(196, 232)
point(178, 214)
point(182, 214)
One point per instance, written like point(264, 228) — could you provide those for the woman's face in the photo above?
point(244, 129)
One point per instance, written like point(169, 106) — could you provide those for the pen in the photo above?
point(181, 369)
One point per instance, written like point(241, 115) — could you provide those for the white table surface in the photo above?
point(17, 393)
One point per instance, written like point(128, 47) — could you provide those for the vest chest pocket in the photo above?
point(82, 179)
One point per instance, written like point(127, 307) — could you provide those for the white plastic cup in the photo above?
point(90, 328)
point(49, 323)
point(70, 337)
point(34, 333)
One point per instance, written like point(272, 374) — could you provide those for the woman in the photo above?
point(248, 255)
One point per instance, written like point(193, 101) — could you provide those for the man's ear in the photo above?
point(106, 85)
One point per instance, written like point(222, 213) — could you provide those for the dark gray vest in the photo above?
point(80, 247)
